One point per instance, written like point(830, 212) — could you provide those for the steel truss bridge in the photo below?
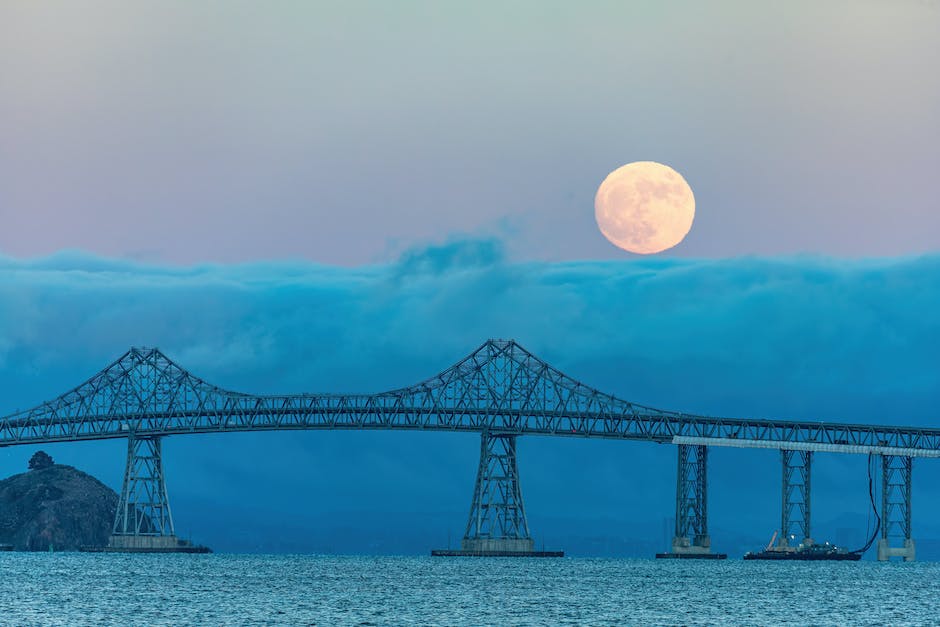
point(500, 391)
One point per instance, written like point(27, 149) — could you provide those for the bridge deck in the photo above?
point(500, 387)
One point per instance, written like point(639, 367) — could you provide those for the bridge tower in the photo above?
point(691, 539)
point(497, 525)
point(795, 513)
point(497, 520)
point(143, 521)
point(896, 508)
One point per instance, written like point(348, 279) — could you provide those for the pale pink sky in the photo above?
point(230, 131)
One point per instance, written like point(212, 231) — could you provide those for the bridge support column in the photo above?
point(692, 539)
point(497, 515)
point(795, 515)
point(896, 508)
point(497, 525)
point(143, 521)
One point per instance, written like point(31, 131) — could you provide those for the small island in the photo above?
point(54, 507)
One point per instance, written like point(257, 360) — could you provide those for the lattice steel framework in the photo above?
point(896, 498)
point(144, 508)
point(497, 511)
point(692, 498)
point(795, 515)
point(499, 387)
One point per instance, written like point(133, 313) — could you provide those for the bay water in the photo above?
point(218, 589)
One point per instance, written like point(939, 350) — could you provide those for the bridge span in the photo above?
point(500, 391)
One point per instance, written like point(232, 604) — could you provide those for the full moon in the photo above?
point(644, 207)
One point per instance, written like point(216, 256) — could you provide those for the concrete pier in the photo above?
point(502, 545)
point(886, 552)
point(683, 548)
point(148, 544)
point(496, 547)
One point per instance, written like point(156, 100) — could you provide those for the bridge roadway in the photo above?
point(500, 390)
point(500, 387)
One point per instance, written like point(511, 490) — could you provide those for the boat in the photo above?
point(813, 552)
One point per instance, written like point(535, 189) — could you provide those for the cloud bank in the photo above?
point(800, 337)
point(811, 337)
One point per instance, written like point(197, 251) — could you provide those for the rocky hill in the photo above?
point(55, 505)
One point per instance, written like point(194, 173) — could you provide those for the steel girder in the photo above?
point(795, 516)
point(500, 387)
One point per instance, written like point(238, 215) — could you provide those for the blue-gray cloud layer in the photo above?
point(808, 338)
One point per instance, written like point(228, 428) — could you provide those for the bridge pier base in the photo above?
point(896, 509)
point(143, 522)
point(886, 551)
point(497, 526)
point(692, 540)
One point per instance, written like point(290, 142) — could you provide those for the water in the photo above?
point(102, 589)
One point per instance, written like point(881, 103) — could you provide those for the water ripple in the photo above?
point(102, 589)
